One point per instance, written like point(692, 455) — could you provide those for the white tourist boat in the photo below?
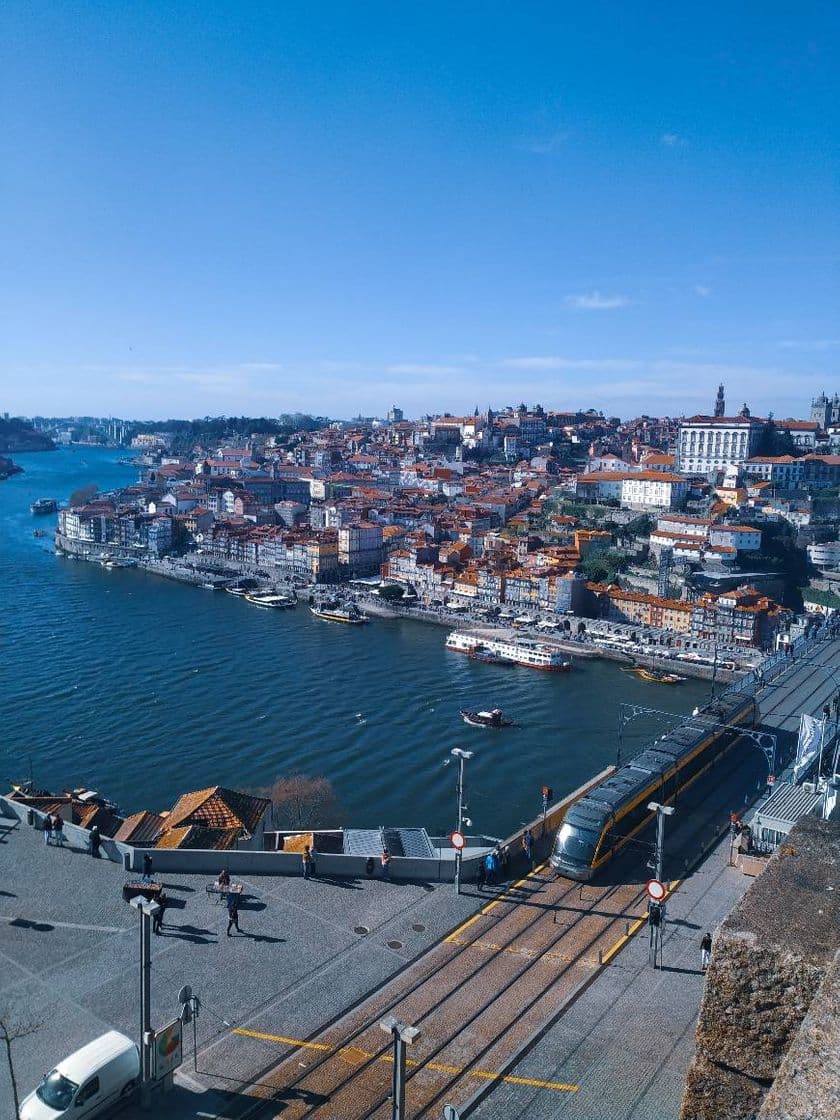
point(534, 655)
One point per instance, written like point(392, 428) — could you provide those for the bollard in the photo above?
point(626, 929)
point(600, 956)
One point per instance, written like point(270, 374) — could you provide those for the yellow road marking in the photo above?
point(438, 1067)
point(486, 909)
point(280, 1038)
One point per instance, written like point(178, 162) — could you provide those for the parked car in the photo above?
point(88, 1082)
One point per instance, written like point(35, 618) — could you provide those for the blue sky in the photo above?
point(222, 208)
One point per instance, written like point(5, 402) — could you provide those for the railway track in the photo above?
point(485, 990)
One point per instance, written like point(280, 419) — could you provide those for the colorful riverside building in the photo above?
point(743, 617)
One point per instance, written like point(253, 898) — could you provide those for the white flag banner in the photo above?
point(808, 747)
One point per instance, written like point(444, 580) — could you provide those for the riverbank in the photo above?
point(578, 648)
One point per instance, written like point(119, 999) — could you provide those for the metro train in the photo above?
point(599, 825)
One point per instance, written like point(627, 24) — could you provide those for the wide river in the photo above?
point(143, 688)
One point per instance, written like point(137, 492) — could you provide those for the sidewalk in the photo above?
point(629, 1039)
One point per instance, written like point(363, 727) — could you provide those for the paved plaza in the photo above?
point(69, 958)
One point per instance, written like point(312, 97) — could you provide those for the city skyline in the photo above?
point(265, 211)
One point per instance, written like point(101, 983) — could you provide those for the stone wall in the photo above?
point(769, 959)
point(807, 1086)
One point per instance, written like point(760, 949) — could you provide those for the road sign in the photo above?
point(167, 1054)
point(458, 840)
point(656, 889)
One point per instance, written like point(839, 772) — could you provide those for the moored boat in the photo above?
point(521, 651)
point(336, 612)
point(271, 601)
point(44, 505)
point(493, 718)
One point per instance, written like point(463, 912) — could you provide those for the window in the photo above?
point(88, 1091)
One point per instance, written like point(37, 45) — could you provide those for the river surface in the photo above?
point(143, 688)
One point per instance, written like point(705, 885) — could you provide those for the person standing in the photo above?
point(481, 876)
point(307, 862)
point(95, 841)
point(157, 920)
point(705, 951)
point(528, 848)
point(233, 915)
point(47, 826)
point(58, 830)
point(490, 868)
point(385, 860)
point(147, 868)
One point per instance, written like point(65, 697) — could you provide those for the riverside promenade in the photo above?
point(531, 999)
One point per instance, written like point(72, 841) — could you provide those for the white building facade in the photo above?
point(711, 443)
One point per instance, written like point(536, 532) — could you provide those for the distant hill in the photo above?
point(17, 435)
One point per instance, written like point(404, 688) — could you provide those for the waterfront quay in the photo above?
point(522, 992)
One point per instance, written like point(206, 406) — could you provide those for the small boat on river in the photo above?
point(44, 505)
point(335, 612)
point(655, 676)
point(493, 718)
point(272, 601)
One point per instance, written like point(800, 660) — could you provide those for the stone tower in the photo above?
point(720, 402)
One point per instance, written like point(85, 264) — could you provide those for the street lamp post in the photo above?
point(658, 916)
point(462, 756)
point(402, 1035)
point(147, 910)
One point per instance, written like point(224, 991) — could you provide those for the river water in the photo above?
point(143, 688)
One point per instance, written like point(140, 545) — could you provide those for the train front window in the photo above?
point(576, 843)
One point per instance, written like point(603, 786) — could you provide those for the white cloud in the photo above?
point(626, 365)
point(413, 369)
point(702, 290)
point(595, 301)
point(814, 344)
point(544, 145)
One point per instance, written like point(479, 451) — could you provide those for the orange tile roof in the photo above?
point(218, 808)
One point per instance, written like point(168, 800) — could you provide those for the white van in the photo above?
point(88, 1082)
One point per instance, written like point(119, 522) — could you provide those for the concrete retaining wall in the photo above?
point(190, 861)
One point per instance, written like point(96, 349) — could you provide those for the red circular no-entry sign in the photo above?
point(656, 889)
point(458, 840)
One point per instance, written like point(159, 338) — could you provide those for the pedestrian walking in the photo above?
point(528, 848)
point(233, 915)
point(307, 862)
point(705, 951)
point(157, 919)
point(490, 868)
point(385, 860)
point(147, 868)
point(58, 830)
point(95, 841)
point(47, 827)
